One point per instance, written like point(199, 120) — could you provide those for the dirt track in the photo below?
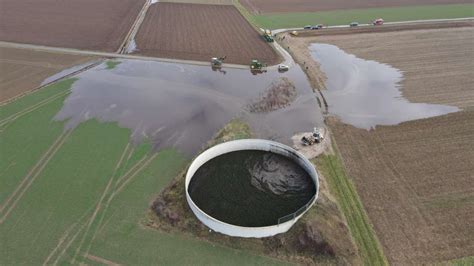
point(415, 178)
point(285, 6)
point(208, 31)
point(23, 70)
point(86, 24)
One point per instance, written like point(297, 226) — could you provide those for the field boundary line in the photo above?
point(33, 174)
point(360, 214)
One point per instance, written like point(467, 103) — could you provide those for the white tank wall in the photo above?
point(247, 144)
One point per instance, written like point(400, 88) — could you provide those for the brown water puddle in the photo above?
point(366, 93)
point(183, 106)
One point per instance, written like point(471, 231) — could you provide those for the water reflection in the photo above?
point(183, 106)
point(367, 93)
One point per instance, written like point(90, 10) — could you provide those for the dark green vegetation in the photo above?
point(80, 196)
point(344, 17)
point(370, 250)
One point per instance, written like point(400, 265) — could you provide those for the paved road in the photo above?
point(386, 23)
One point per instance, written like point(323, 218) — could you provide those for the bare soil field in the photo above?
point(286, 6)
point(415, 179)
point(208, 31)
point(87, 24)
point(377, 42)
point(24, 70)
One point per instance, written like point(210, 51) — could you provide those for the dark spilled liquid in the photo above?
point(251, 188)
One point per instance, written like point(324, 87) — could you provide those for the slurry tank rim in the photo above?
point(248, 144)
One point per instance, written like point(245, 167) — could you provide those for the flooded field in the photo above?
point(183, 106)
point(251, 188)
point(366, 93)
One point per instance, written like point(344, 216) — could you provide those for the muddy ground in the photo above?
point(208, 31)
point(284, 6)
point(414, 178)
point(24, 70)
point(86, 24)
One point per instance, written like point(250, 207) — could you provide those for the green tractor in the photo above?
point(257, 66)
point(267, 35)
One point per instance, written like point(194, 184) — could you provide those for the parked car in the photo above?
point(354, 24)
point(283, 68)
point(307, 27)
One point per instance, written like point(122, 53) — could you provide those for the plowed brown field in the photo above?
point(23, 70)
point(86, 24)
point(415, 179)
point(200, 32)
point(284, 6)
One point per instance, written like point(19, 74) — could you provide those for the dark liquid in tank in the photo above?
point(251, 188)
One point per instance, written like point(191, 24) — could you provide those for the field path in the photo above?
point(31, 176)
point(101, 260)
point(112, 55)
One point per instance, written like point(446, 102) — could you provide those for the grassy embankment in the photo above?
point(346, 195)
point(83, 203)
point(344, 17)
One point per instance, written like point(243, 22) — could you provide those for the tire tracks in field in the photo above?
point(31, 176)
point(65, 236)
point(127, 177)
point(32, 108)
point(99, 204)
point(109, 194)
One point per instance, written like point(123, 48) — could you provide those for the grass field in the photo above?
point(344, 17)
point(80, 196)
point(370, 251)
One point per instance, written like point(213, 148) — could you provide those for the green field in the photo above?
point(81, 196)
point(344, 17)
point(344, 190)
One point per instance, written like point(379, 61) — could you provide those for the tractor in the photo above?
point(267, 35)
point(314, 138)
point(257, 67)
point(216, 62)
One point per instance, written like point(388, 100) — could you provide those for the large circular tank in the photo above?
point(251, 187)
